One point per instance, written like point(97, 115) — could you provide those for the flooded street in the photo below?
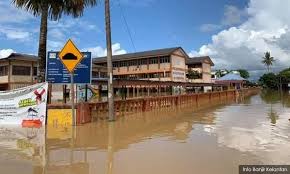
point(216, 140)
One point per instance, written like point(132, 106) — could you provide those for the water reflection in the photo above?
point(184, 140)
point(273, 115)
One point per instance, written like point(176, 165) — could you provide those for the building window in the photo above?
point(34, 71)
point(3, 70)
point(116, 64)
point(195, 66)
point(133, 62)
point(165, 74)
point(153, 61)
point(165, 59)
point(143, 62)
point(123, 64)
point(21, 70)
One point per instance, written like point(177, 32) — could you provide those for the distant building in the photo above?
point(18, 70)
point(233, 80)
point(201, 65)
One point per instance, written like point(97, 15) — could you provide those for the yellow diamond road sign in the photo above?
point(70, 56)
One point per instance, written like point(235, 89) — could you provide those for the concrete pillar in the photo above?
point(128, 92)
point(148, 91)
point(134, 89)
point(158, 90)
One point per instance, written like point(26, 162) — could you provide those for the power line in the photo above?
point(127, 26)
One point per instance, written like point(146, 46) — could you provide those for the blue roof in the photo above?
point(231, 76)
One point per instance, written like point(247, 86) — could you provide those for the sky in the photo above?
point(234, 33)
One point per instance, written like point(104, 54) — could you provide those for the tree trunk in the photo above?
point(43, 41)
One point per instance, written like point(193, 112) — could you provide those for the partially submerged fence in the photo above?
point(85, 111)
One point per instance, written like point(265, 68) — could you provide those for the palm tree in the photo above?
point(53, 10)
point(268, 60)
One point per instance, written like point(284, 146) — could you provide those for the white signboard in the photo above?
point(178, 75)
point(24, 106)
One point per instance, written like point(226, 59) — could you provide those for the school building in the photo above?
point(159, 71)
point(18, 70)
point(169, 64)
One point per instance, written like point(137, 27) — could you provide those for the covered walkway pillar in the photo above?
point(134, 89)
point(148, 91)
point(137, 91)
point(128, 91)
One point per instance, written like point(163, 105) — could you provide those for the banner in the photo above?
point(24, 106)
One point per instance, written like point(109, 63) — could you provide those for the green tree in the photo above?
point(268, 60)
point(269, 80)
point(220, 73)
point(244, 73)
point(192, 74)
point(51, 9)
point(285, 76)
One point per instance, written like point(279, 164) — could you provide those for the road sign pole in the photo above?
point(73, 100)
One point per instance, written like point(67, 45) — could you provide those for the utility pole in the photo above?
point(109, 62)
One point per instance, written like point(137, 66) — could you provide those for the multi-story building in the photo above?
point(18, 70)
point(169, 64)
point(200, 69)
point(159, 65)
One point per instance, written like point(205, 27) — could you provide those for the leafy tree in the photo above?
point(269, 80)
point(52, 9)
point(244, 73)
point(285, 76)
point(192, 74)
point(268, 60)
point(220, 73)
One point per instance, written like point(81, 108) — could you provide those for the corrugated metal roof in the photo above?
point(231, 76)
point(137, 55)
point(19, 56)
point(195, 60)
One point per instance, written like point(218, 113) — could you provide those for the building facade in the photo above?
point(199, 69)
point(166, 65)
point(18, 70)
point(170, 64)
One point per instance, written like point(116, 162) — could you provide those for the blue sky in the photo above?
point(153, 24)
point(234, 33)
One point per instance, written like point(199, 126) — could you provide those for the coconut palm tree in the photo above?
point(53, 10)
point(268, 60)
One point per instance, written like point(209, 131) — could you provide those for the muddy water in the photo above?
point(255, 130)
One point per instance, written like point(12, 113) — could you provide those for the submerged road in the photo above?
point(255, 130)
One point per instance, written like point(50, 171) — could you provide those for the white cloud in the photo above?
point(209, 27)
point(100, 51)
point(13, 33)
point(233, 15)
point(54, 45)
point(14, 22)
point(60, 31)
point(266, 29)
point(11, 14)
point(5, 53)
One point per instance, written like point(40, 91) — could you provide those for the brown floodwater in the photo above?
point(217, 140)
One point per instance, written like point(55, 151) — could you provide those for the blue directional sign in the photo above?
point(56, 72)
